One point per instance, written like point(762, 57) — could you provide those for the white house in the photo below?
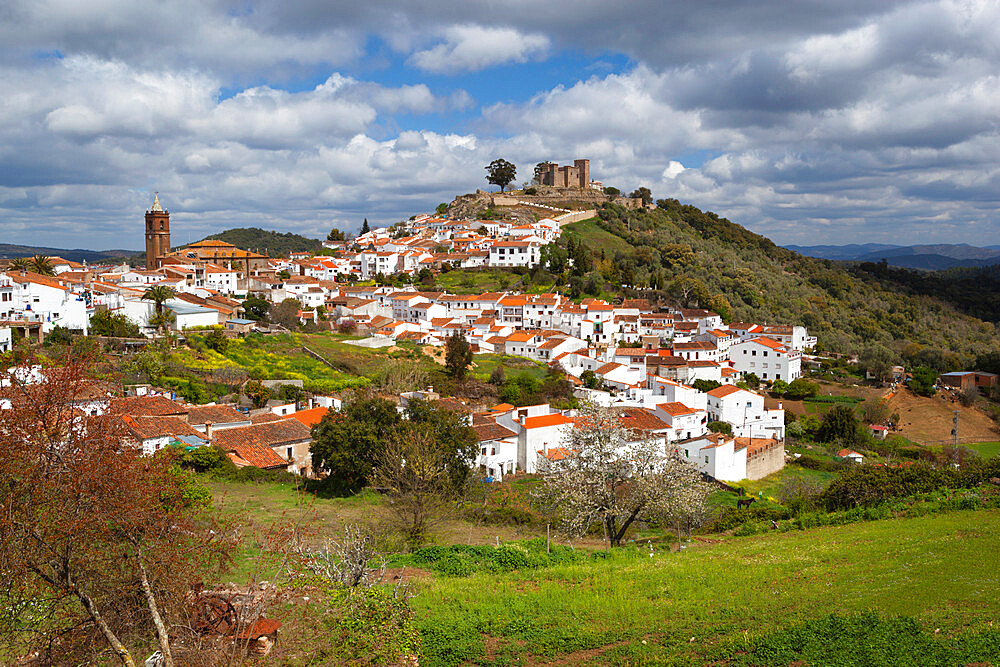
point(514, 253)
point(497, 449)
point(685, 422)
point(717, 455)
point(32, 297)
point(767, 359)
point(745, 411)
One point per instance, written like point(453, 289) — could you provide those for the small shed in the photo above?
point(959, 379)
point(878, 430)
point(987, 380)
point(851, 454)
point(240, 326)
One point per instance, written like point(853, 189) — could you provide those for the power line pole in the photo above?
point(954, 433)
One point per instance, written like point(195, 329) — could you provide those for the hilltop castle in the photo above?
point(576, 176)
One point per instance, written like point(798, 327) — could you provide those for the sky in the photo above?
point(808, 121)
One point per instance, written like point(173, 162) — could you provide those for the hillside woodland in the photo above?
point(696, 258)
point(276, 244)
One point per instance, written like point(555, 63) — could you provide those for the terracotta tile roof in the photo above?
point(556, 453)
point(37, 278)
point(310, 417)
point(270, 434)
point(641, 419)
point(264, 417)
point(492, 431)
point(252, 453)
point(217, 414)
point(503, 407)
point(146, 406)
point(546, 420)
point(769, 342)
point(608, 367)
point(452, 404)
point(676, 409)
point(722, 392)
point(755, 445)
point(156, 427)
point(697, 345)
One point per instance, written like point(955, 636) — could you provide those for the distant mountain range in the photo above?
point(924, 257)
point(11, 251)
point(276, 244)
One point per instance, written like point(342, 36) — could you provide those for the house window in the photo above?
point(288, 453)
point(706, 459)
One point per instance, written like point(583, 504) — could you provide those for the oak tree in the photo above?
point(500, 172)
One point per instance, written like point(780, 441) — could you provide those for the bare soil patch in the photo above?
point(435, 353)
point(929, 420)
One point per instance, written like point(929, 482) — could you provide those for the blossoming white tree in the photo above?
point(604, 472)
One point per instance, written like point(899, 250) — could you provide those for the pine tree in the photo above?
point(457, 355)
point(364, 227)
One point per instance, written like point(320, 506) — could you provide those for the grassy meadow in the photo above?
point(720, 597)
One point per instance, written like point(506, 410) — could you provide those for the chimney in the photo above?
point(209, 430)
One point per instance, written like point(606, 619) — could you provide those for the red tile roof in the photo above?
point(216, 414)
point(641, 419)
point(546, 420)
point(492, 431)
point(157, 427)
point(270, 434)
point(146, 406)
point(252, 453)
point(310, 417)
point(676, 409)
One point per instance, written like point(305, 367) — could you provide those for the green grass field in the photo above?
point(710, 600)
point(987, 450)
point(771, 485)
point(484, 364)
point(595, 237)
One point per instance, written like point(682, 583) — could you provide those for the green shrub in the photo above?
point(863, 639)
point(868, 485)
point(461, 560)
point(814, 463)
point(733, 517)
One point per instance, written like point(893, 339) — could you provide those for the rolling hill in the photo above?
point(11, 251)
point(276, 244)
point(935, 257)
point(680, 253)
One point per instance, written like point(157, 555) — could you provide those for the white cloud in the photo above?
point(673, 170)
point(473, 47)
point(804, 121)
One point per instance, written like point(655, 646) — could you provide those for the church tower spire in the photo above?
point(157, 233)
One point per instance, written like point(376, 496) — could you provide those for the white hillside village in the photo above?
point(638, 358)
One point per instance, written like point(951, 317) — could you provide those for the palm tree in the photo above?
point(18, 264)
point(42, 265)
point(159, 294)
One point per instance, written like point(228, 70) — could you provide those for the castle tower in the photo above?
point(157, 234)
point(583, 173)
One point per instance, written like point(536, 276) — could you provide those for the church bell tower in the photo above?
point(157, 234)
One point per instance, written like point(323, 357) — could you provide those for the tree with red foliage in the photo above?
point(98, 543)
